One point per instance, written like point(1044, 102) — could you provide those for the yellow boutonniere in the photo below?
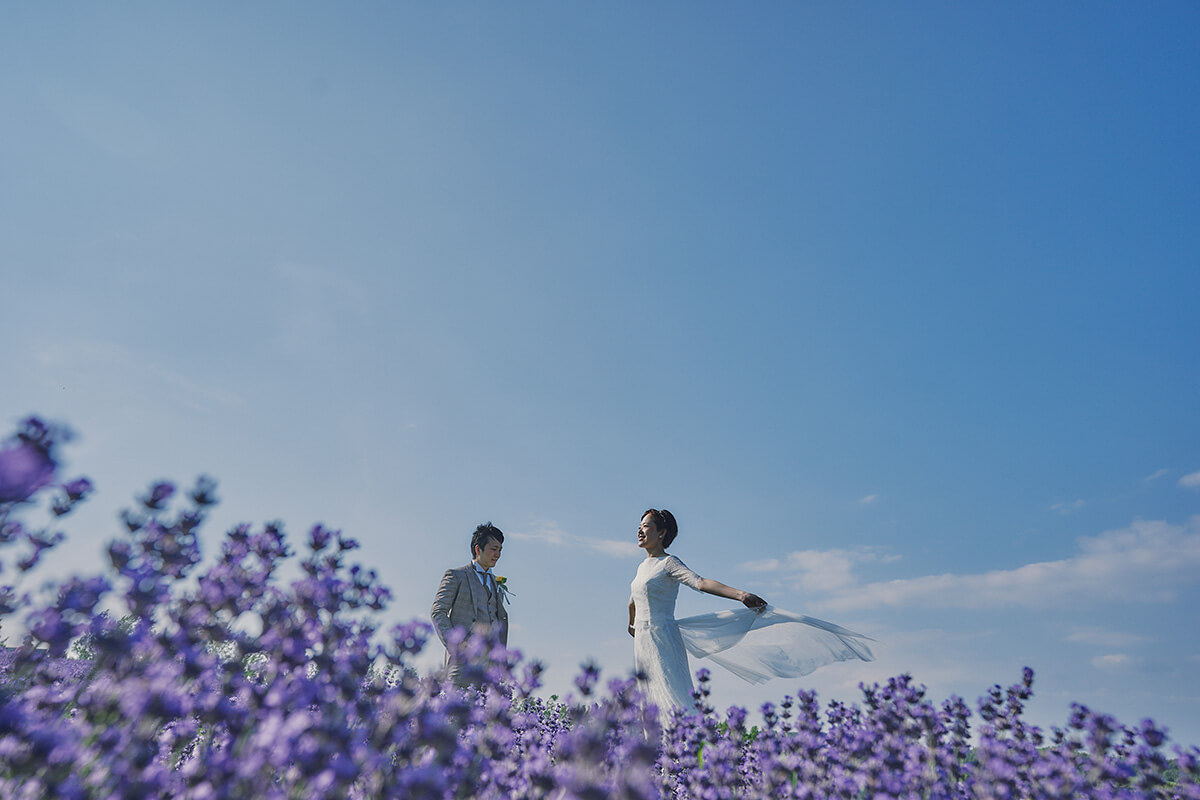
point(502, 586)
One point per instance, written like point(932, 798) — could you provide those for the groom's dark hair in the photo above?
point(483, 533)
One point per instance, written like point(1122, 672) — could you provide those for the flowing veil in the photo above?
point(758, 646)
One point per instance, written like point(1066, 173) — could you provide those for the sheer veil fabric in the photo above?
point(755, 646)
point(758, 646)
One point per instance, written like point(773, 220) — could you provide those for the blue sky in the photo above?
point(893, 305)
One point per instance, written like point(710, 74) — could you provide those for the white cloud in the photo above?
point(870, 499)
point(1146, 562)
point(766, 565)
point(1106, 638)
point(1115, 662)
point(1190, 481)
point(819, 570)
point(610, 547)
point(550, 533)
point(1153, 476)
point(822, 571)
point(1067, 508)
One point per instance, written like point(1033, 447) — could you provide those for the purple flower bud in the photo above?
point(204, 493)
point(586, 680)
point(82, 595)
point(158, 495)
point(41, 541)
point(120, 553)
point(78, 488)
point(1152, 735)
point(49, 627)
point(24, 468)
point(73, 492)
point(319, 537)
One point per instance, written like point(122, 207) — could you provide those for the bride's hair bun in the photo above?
point(665, 521)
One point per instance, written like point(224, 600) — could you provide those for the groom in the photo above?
point(470, 598)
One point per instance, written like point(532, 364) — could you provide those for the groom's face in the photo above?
point(489, 554)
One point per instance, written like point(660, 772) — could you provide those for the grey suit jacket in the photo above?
point(462, 602)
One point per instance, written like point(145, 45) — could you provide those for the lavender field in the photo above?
point(166, 678)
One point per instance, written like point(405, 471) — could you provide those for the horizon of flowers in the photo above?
point(228, 680)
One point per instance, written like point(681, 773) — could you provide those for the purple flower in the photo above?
point(77, 489)
point(49, 627)
point(318, 538)
point(204, 492)
point(73, 492)
point(81, 595)
point(40, 541)
point(587, 678)
point(158, 495)
point(1152, 735)
point(24, 468)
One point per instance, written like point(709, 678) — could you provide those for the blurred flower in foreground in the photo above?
point(26, 464)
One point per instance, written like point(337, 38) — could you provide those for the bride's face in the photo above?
point(649, 537)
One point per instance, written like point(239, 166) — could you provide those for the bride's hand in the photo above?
point(754, 601)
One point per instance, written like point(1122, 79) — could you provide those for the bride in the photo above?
point(769, 642)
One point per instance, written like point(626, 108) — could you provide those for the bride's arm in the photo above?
point(708, 585)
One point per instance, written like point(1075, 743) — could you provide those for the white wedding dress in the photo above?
point(755, 646)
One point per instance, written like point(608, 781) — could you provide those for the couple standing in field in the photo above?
point(756, 642)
